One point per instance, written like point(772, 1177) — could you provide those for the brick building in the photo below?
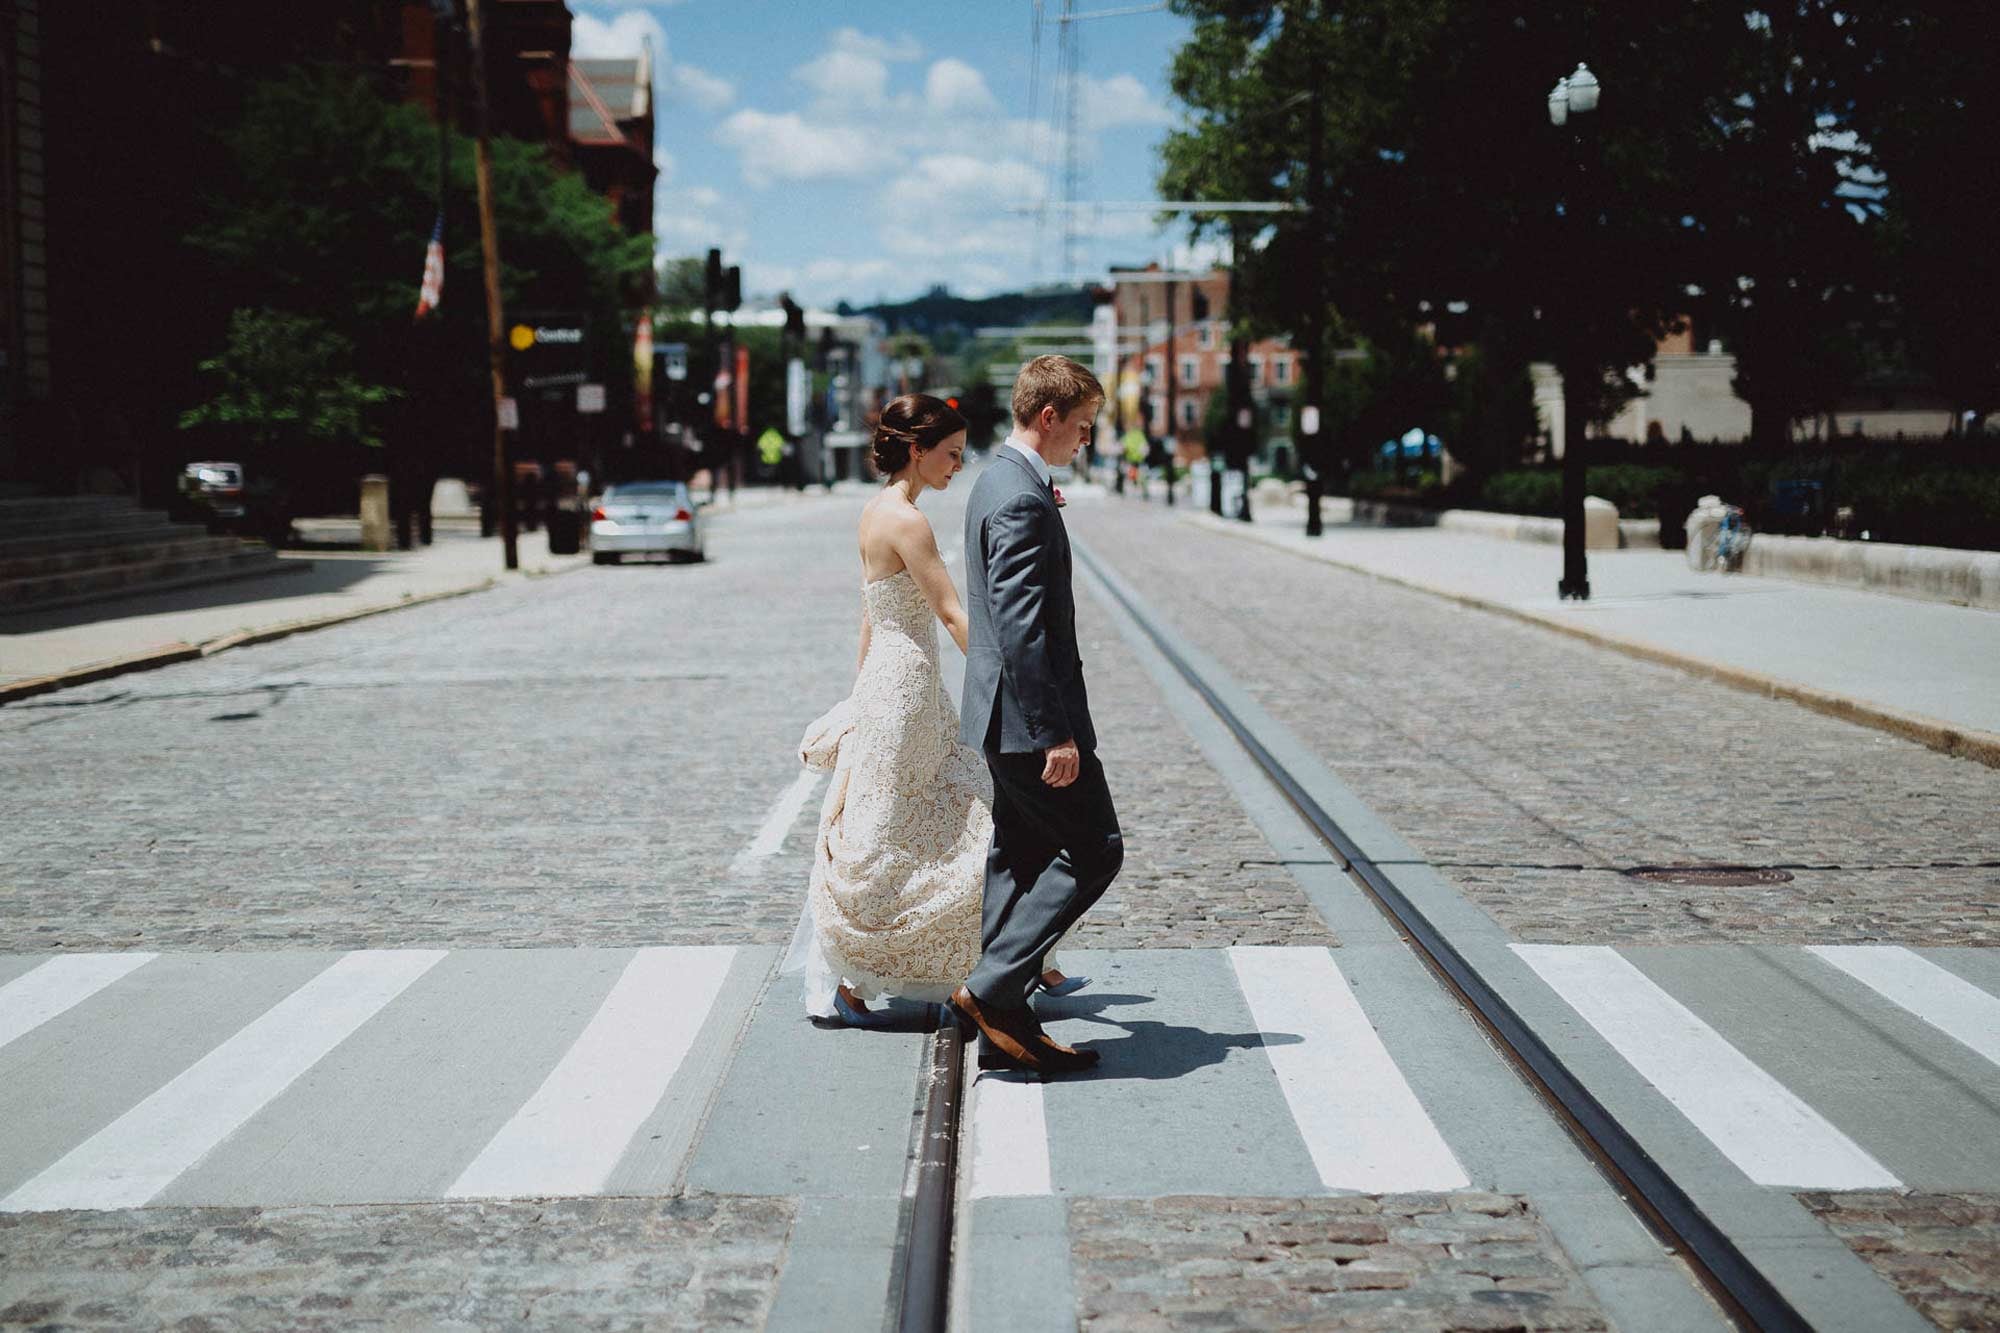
point(107, 143)
point(1196, 310)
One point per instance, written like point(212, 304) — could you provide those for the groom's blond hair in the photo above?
point(1053, 381)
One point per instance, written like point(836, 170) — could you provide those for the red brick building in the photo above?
point(1197, 309)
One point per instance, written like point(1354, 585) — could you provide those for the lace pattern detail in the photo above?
point(899, 865)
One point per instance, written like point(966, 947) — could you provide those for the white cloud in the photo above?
point(853, 71)
point(955, 204)
point(787, 147)
point(882, 48)
point(695, 87)
point(954, 88)
point(625, 34)
point(846, 78)
point(1118, 101)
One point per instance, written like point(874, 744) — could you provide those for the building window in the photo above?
point(1191, 371)
point(1190, 412)
point(1281, 413)
point(1155, 369)
point(1256, 371)
point(1281, 370)
point(1205, 338)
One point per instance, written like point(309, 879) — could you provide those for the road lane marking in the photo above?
point(771, 834)
point(1942, 998)
point(39, 994)
point(1359, 1118)
point(139, 1154)
point(1010, 1137)
point(568, 1136)
point(1756, 1121)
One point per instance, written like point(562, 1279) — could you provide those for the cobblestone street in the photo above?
point(1534, 769)
point(568, 816)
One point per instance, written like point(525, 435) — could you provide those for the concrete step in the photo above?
point(47, 591)
point(178, 544)
point(133, 533)
point(35, 506)
point(80, 519)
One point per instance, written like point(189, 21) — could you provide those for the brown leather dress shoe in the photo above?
point(1014, 1040)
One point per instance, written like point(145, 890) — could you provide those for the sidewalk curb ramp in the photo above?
point(168, 654)
point(1962, 742)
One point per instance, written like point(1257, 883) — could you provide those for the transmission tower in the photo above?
point(1070, 65)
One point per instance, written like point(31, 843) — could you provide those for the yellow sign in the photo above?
point(522, 337)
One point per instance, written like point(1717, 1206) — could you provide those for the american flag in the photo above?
point(432, 290)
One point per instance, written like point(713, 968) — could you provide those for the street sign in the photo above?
point(674, 360)
point(510, 415)
point(1309, 420)
point(548, 351)
point(590, 397)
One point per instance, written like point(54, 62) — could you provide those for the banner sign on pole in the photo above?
point(590, 397)
point(797, 390)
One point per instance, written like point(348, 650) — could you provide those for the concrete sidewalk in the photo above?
point(48, 650)
point(40, 650)
point(1924, 670)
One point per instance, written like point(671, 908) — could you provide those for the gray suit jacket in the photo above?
point(1023, 678)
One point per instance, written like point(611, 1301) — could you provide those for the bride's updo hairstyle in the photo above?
point(916, 423)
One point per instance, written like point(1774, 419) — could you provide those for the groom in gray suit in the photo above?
point(1056, 843)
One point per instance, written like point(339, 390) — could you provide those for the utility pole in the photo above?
point(1173, 411)
point(1312, 427)
point(496, 333)
point(1240, 410)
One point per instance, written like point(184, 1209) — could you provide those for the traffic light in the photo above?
point(711, 281)
point(795, 317)
point(732, 288)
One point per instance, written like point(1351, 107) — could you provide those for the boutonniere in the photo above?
point(1060, 502)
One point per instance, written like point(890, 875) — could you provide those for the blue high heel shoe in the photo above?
point(849, 1016)
point(1069, 986)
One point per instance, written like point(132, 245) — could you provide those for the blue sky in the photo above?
point(871, 148)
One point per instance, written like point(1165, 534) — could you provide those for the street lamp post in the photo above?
point(1573, 104)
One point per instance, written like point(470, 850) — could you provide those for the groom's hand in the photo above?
point(1061, 763)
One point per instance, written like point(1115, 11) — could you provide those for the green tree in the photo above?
point(286, 380)
point(325, 212)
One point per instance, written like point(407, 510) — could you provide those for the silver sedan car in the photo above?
point(646, 518)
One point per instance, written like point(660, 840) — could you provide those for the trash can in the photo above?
point(565, 530)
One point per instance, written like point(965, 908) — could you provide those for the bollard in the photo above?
point(375, 531)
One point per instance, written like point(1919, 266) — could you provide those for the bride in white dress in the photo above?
point(900, 861)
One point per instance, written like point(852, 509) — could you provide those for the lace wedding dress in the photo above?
point(900, 862)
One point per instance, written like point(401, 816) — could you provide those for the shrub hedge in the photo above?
point(1927, 492)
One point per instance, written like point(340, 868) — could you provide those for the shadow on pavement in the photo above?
point(1153, 1050)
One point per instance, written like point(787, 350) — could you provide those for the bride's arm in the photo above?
point(862, 656)
point(917, 544)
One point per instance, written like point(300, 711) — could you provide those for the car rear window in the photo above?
point(647, 490)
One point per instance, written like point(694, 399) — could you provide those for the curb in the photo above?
point(169, 654)
point(1981, 747)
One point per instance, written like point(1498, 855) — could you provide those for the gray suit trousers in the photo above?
point(1055, 850)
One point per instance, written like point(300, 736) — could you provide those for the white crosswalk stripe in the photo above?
point(139, 1154)
point(572, 1132)
point(1948, 1002)
point(1010, 1137)
point(1359, 1117)
point(607, 1093)
point(36, 996)
point(1757, 1122)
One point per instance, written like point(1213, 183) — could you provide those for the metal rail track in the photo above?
point(1743, 1292)
point(1714, 1260)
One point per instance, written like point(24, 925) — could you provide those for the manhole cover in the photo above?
point(1710, 877)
